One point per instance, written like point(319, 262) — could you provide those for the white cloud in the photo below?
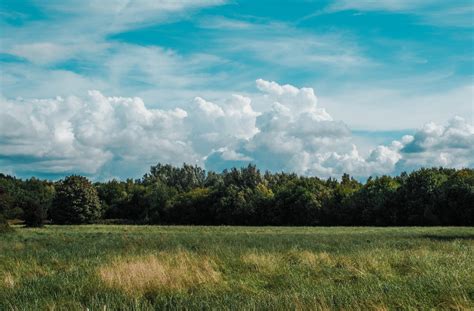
point(118, 136)
point(84, 134)
point(153, 73)
point(225, 23)
point(42, 52)
point(388, 5)
point(215, 127)
point(297, 135)
point(376, 107)
point(451, 145)
point(435, 12)
point(294, 135)
point(116, 15)
point(290, 48)
point(70, 51)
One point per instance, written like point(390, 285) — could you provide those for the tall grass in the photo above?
point(235, 268)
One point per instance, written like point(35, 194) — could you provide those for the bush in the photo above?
point(4, 227)
point(34, 213)
point(76, 202)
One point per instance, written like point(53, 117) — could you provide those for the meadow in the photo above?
point(118, 267)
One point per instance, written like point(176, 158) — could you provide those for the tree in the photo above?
point(245, 196)
point(232, 206)
point(76, 201)
point(113, 194)
point(181, 178)
point(343, 209)
point(11, 193)
point(34, 213)
point(263, 202)
point(4, 227)
point(158, 199)
point(375, 201)
point(191, 208)
point(296, 205)
point(6, 202)
point(455, 205)
point(417, 197)
point(38, 196)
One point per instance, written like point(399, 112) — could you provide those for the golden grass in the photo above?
point(16, 272)
point(264, 263)
point(270, 262)
point(367, 264)
point(312, 259)
point(9, 280)
point(266, 267)
point(175, 271)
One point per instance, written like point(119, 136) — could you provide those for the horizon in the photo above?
point(339, 178)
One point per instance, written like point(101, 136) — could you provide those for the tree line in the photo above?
point(189, 195)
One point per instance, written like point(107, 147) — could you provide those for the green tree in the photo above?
point(297, 205)
point(113, 194)
point(38, 196)
point(11, 194)
point(455, 205)
point(191, 208)
point(34, 214)
point(181, 178)
point(417, 197)
point(375, 201)
point(76, 201)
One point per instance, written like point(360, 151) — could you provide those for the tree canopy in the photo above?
point(246, 196)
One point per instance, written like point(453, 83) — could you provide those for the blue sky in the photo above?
point(381, 69)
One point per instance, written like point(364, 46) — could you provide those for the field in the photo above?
point(105, 267)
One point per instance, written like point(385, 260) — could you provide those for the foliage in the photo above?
point(246, 196)
point(34, 213)
point(76, 201)
point(4, 227)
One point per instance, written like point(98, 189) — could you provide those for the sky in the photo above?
point(108, 88)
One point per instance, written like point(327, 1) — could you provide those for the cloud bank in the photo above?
point(108, 137)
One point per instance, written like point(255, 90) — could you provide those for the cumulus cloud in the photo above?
point(451, 145)
point(82, 135)
point(214, 126)
point(297, 135)
point(119, 136)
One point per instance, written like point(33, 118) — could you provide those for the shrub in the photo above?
point(34, 213)
point(4, 227)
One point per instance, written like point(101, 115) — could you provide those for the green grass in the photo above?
point(270, 268)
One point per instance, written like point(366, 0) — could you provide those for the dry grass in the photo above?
point(17, 271)
point(265, 263)
point(175, 271)
point(365, 265)
point(271, 263)
point(9, 280)
point(313, 260)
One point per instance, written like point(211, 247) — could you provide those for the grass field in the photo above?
point(152, 267)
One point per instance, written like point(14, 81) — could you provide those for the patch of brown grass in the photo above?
point(266, 263)
point(271, 263)
point(9, 280)
point(175, 271)
point(366, 265)
point(312, 259)
point(15, 272)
